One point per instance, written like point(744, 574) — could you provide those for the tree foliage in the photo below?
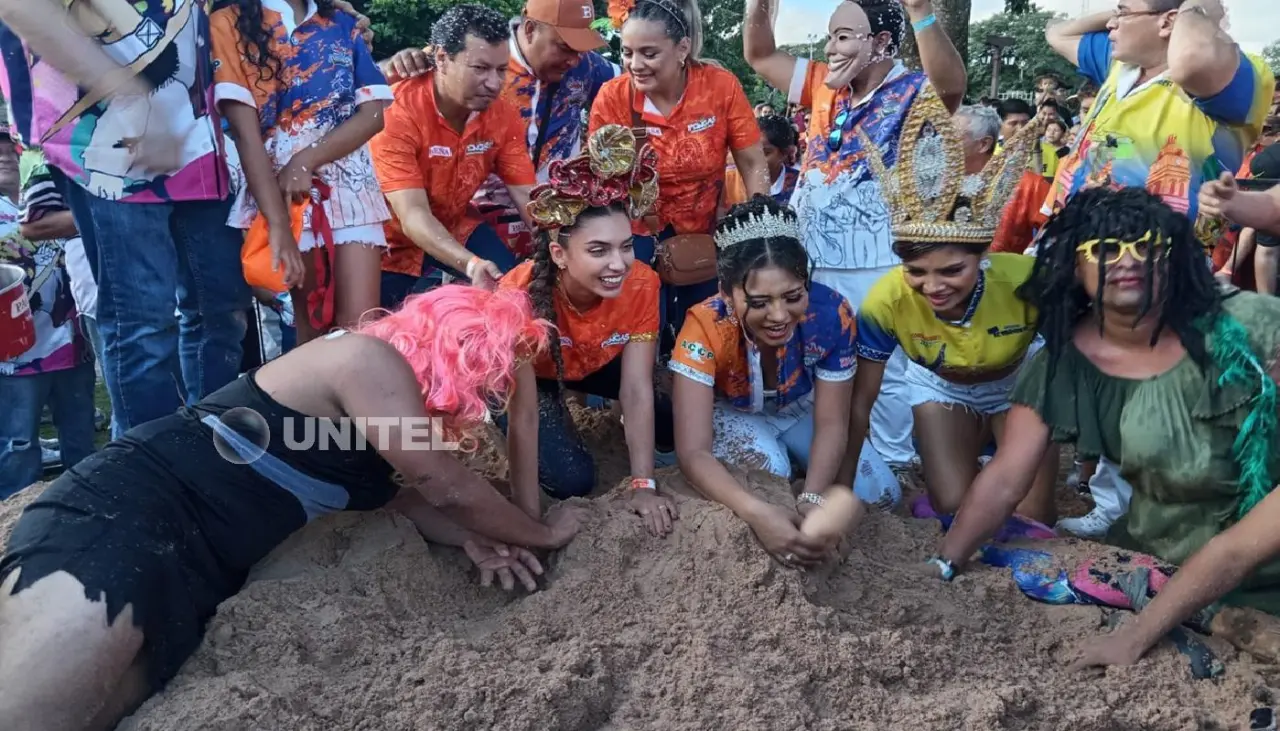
point(1031, 52)
point(1272, 55)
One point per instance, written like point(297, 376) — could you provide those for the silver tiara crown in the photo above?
point(757, 226)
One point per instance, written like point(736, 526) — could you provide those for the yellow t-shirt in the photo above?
point(994, 334)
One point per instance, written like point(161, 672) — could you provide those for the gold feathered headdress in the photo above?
point(613, 169)
point(927, 194)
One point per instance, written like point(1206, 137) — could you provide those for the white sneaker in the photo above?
point(1093, 525)
point(50, 457)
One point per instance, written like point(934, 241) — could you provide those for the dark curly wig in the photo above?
point(255, 36)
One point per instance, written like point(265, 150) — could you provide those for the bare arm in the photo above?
point(1202, 57)
point(259, 171)
point(348, 137)
point(694, 403)
point(522, 443)
point(939, 57)
point(57, 225)
point(830, 435)
point(1265, 268)
point(1243, 251)
point(754, 170)
point(866, 389)
point(413, 210)
point(637, 405)
point(1065, 37)
point(1000, 486)
point(760, 47)
point(379, 384)
point(1254, 209)
point(47, 28)
point(1211, 573)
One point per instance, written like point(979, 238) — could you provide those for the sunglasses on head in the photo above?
point(1112, 250)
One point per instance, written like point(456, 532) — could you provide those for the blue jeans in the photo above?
point(89, 326)
point(69, 395)
point(147, 258)
point(483, 242)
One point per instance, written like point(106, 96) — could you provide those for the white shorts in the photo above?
point(769, 441)
point(370, 235)
point(926, 387)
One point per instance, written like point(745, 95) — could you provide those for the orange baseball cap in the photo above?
point(572, 20)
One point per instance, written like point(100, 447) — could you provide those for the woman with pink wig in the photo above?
point(111, 574)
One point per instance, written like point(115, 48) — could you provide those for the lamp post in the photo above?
point(996, 46)
point(812, 38)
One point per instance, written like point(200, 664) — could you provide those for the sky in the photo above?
point(1254, 23)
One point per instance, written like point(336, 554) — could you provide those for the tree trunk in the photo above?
point(953, 16)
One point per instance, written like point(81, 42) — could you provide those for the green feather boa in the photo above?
point(1252, 449)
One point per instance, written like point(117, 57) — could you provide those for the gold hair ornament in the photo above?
point(613, 169)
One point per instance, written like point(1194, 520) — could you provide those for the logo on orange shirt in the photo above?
point(616, 339)
point(698, 353)
point(702, 125)
point(439, 151)
point(479, 148)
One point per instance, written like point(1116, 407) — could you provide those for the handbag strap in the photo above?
point(641, 132)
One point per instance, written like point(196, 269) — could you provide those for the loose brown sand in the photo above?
point(356, 623)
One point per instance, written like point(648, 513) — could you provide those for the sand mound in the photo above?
point(356, 623)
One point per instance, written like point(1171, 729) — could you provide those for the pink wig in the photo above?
point(464, 345)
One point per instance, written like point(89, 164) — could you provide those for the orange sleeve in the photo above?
point(517, 278)
point(610, 105)
point(230, 78)
point(644, 313)
point(695, 354)
point(1023, 216)
point(735, 191)
point(744, 131)
point(398, 147)
point(814, 75)
point(514, 164)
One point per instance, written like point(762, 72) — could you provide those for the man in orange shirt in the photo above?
point(445, 134)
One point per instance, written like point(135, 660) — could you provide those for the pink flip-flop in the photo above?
point(1101, 586)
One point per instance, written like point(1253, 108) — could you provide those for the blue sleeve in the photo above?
point(838, 361)
point(366, 72)
point(1093, 56)
point(874, 341)
point(1239, 101)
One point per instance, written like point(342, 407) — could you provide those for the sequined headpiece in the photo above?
point(614, 169)
point(928, 197)
point(757, 226)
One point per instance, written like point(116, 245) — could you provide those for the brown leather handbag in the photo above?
point(682, 259)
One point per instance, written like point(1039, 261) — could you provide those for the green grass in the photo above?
point(100, 400)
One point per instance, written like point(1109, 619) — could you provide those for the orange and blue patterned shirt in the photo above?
point(713, 349)
point(326, 71)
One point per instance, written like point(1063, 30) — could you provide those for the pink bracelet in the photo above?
point(643, 483)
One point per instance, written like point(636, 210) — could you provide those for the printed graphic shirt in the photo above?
point(1158, 136)
point(711, 119)
point(58, 343)
point(167, 41)
point(41, 197)
point(591, 340)
point(993, 335)
point(844, 221)
point(713, 349)
point(418, 149)
point(326, 71)
point(564, 106)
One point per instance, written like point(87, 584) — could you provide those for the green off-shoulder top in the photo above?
point(1172, 436)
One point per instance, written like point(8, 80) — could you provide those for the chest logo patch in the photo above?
point(702, 125)
point(439, 151)
point(479, 148)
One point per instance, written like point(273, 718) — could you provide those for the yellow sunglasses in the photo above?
point(1115, 249)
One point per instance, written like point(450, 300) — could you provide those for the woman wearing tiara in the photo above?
point(763, 373)
point(585, 280)
point(951, 306)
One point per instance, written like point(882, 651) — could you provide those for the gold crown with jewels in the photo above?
point(929, 197)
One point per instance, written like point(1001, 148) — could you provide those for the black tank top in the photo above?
point(289, 448)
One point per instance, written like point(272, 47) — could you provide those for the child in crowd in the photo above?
point(779, 139)
point(303, 97)
point(57, 371)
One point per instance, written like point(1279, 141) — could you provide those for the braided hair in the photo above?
point(256, 36)
point(735, 264)
point(1188, 296)
point(544, 279)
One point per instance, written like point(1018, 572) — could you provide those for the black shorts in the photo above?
point(160, 522)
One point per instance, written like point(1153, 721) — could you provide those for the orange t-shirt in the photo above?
point(712, 119)
point(1023, 215)
point(590, 340)
point(418, 149)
